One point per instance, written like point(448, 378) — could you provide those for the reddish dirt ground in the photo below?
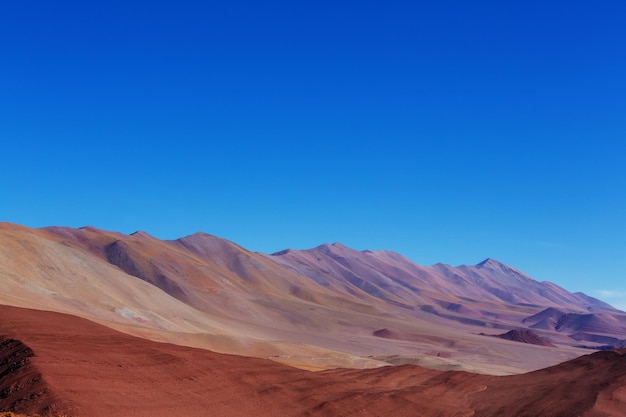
point(56, 362)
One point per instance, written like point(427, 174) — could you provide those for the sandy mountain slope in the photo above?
point(53, 362)
point(36, 271)
point(317, 309)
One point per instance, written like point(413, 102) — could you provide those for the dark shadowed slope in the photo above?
point(72, 365)
point(22, 387)
point(525, 336)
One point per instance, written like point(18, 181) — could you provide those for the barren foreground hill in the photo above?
point(52, 362)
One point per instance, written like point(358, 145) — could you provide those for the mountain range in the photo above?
point(322, 309)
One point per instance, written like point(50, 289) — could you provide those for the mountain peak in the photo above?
point(282, 252)
point(331, 246)
point(489, 262)
point(495, 264)
point(199, 236)
point(91, 229)
point(141, 233)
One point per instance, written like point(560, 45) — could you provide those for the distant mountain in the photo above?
point(317, 309)
point(562, 321)
point(394, 278)
point(491, 278)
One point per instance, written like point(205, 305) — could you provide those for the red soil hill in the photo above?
point(52, 361)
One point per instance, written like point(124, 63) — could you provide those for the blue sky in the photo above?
point(449, 132)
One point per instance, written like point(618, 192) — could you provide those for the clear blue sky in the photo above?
point(448, 131)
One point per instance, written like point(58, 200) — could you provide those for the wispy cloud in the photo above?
point(611, 293)
point(617, 298)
